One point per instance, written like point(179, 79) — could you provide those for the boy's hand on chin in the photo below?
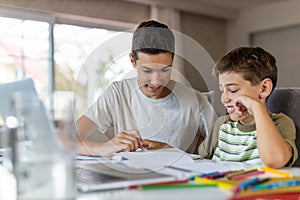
point(243, 105)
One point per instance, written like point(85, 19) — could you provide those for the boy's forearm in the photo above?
point(273, 149)
point(91, 148)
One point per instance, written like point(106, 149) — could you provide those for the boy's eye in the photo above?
point(147, 70)
point(165, 69)
point(233, 91)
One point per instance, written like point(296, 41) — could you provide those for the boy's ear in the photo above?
point(266, 88)
point(132, 60)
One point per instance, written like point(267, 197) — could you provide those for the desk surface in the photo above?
point(170, 194)
point(207, 193)
point(7, 189)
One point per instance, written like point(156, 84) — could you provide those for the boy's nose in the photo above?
point(155, 79)
point(225, 98)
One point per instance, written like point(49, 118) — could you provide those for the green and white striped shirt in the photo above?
point(236, 145)
point(231, 141)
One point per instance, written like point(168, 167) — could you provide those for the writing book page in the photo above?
point(153, 160)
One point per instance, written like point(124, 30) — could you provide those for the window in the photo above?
point(25, 51)
point(73, 48)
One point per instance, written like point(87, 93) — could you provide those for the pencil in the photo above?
point(179, 168)
point(247, 175)
point(175, 182)
point(231, 175)
point(219, 175)
point(276, 171)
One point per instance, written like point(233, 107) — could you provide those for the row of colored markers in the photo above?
point(246, 179)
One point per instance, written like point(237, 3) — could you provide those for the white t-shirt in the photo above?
point(182, 119)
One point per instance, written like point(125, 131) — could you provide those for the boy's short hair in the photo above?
point(254, 63)
point(152, 37)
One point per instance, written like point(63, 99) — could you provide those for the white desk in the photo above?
point(7, 191)
point(170, 194)
point(209, 193)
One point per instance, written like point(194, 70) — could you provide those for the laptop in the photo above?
point(8, 89)
point(22, 86)
point(38, 117)
point(114, 175)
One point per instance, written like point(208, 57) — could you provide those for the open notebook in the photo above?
point(128, 169)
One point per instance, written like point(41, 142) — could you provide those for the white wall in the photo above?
point(270, 16)
point(284, 44)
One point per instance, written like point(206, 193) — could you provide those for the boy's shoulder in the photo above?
point(125, 84)
point(281, 117)
point(222, 120)
point(120, 88)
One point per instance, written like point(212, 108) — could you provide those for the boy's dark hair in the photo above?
point(152, 37)
point(254, 63)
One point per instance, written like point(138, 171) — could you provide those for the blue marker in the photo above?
point(208, 174)
point(260, 181)
point(247, 183)
point(277, 185)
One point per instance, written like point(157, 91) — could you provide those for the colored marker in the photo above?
point(175, 186)
point(247, 183)
point(184, 181)
point(220, 184)
point(247, 175)
point(208, 174)
point(260, 181)
point(231, 175)
point(203, 175)
point(276, 171)
point(276, 185)
point(219, 175)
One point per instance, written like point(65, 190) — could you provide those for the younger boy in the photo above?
point(249, 133)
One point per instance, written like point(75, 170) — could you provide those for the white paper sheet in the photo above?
point(153, 160)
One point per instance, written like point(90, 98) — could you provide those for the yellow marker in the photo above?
point(276, 171)
point(220, 184)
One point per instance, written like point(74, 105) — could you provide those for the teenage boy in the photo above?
point(150, 110)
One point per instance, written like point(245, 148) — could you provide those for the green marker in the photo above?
point(175, 186)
